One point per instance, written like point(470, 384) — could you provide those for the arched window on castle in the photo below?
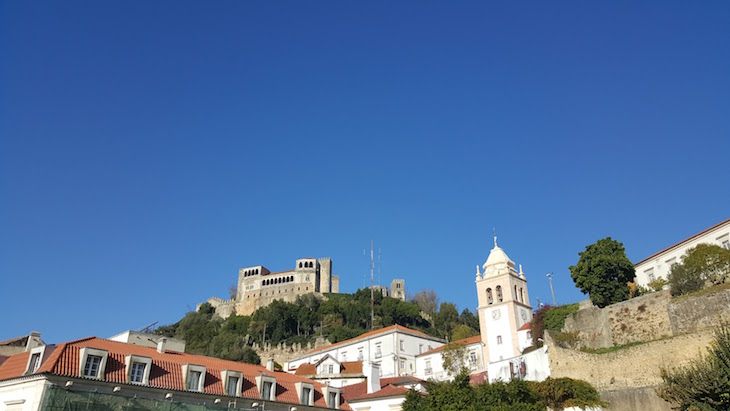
point(300, 264)
point(499, 293)
point(489, 296)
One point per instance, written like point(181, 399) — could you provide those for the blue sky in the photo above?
point(150, 149)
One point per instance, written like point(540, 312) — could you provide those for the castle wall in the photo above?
point(689, 314)
point(325, 275)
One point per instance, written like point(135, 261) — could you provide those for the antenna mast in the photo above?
point(372, 295)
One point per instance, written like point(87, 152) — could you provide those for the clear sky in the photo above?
point(148, 150)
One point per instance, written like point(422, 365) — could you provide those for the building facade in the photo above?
point(392, 349)
point(257, 286)
point(659, 264)
point(95, 373)
point(429, 365)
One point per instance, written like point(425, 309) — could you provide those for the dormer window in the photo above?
point(92, 362)
point(194, 377)
point(233, 381)
point(267, 387)
point(138, 369)
point(332, 396)
point(34, 362)
point(306, 393)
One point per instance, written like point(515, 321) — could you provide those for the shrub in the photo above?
point(658, 284)
point(683, 281)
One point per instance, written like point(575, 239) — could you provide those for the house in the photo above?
point(659, 264)
point(393, 349)
point(380, 394)
point(97, 373)
point(429, 365)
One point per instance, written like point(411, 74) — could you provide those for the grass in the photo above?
point(703, 292)
point(619, 347)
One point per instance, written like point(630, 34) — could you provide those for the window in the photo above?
point(522, 296)
point(499, 293)
point(359, 354)
point(332, 396)
point(232, 386)
point(34, 363)
point(330, 369)
point(499, 339)
point(402, 364)
point(193, 380)
point(137, 373)
point(267, 387)
point(649, 274)
point(489, 296)
point(429, 370)
point(420, 348)
point(233, 381)
point(92, 362)
point(402, 345)
point(378, 351)
point(473, 358)
point(306, 393)
point(194, 377)
point(726, 244)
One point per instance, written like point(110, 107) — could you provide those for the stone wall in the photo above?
point(642, 318)
point(631, 367)
point(282, 352)
point(689, 314)
point(644, 399)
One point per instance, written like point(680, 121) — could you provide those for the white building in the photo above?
point(149, 340)
point(393, 349)
point(659, 264)
point(429, 365)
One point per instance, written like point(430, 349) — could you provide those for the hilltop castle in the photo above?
point(259, 287)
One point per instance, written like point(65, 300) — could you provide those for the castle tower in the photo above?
point(504, 305)
point(398, 289)
point(325, 274)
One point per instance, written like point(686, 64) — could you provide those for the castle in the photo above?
point(259, 287)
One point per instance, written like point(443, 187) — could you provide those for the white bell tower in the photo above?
point(504, 305)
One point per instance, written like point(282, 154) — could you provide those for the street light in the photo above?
point(550, 277)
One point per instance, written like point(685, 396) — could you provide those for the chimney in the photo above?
point(161, 343)
point(270, 364)
point(34, 340)
point(372, 373)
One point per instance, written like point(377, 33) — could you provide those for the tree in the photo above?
point(446, 319)
point(683, 281)
point(427, 301)
point(603, 272)
point(461, 331)
point(454, 358)
point(710, 262)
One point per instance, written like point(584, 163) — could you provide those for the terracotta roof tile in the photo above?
point(525, 326)
point(15, 341)
point(166, 371)
point(351, 367)
point(359, 391)
point(466, 341)
point(306, 369)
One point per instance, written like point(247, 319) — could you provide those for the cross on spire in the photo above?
point(494, 230)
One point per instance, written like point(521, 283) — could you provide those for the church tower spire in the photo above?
point(504, 305)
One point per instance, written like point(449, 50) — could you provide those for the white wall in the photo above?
point(23, 395)
point(389, 357)
point(437, 372)
point(536, 362)
point(384, 404)
point(660, 265)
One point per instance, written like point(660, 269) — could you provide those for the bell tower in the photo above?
point(504, 305)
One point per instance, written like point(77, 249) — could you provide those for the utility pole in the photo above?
point(372, 295)
point(550, 278)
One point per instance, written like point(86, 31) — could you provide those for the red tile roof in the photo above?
point(306, 369)
point(369, 334)
point(684, 241)
point(525, 326)
point(351, 367)
point(392, 386)
point(466, 341)
point(166, 371)
point(19, 341)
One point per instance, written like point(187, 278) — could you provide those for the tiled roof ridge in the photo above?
point(707, 230)
point(464, 341)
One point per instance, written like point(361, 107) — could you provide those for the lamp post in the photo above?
point(550, 278)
